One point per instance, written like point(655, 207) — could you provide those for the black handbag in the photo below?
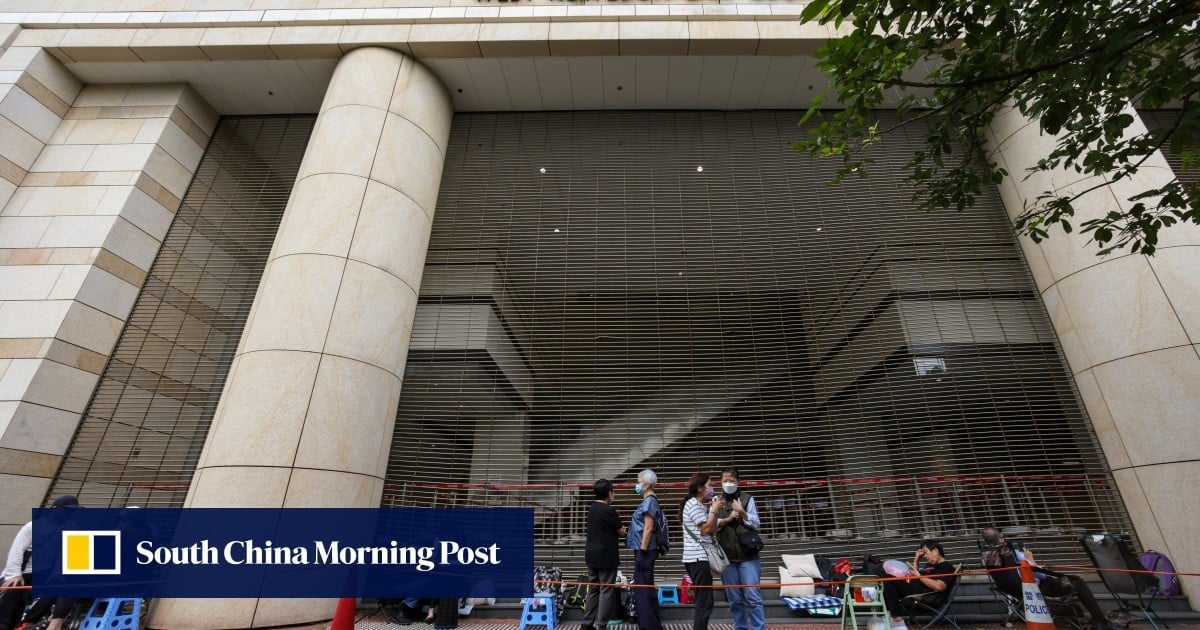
point(750, 540)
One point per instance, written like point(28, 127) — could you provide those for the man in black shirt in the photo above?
point(602, 555)
point(935, 565)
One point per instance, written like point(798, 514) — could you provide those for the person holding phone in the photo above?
point(736, 512)
point(699, 522)
point(999, 553)
point(932, 573)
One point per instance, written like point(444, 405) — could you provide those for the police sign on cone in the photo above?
point(1037, 613)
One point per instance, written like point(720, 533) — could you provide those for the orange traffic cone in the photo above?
point(1037, 613)
point(343, 617)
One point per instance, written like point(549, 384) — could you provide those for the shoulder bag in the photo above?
point(749, 539)
point(717, 560)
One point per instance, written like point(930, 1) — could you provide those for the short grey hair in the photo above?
point(648, 477)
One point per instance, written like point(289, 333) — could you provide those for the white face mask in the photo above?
point(730, 487)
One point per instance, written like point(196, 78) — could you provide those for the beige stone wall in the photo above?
point(306, 417)
point(80, 10)
point(1129, 326)
point(35, 92)
point(96, 185)
point(427, 31)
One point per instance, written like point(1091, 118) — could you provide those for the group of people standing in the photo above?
point(712, 514)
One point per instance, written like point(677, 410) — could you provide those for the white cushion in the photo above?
point(802, 565)
point(794, 586)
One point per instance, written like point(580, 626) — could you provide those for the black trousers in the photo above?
point(702, 598)
point(602, 603)
point(58, 608)
point(646, 596)
point(13, 603)
point(896, 590)
point(445, 613)
point(1064, 584)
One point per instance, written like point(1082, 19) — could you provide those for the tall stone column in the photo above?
point(306, 416)
point(1130, 328)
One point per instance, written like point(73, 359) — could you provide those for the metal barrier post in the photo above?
point(1008, 502)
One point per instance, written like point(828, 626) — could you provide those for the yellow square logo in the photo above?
point(91, 552)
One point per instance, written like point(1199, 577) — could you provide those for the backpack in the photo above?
point(548, 579)
point(662, 538)
point(998, 557)
point(873, 565)
point(577, 593)
point(824, 566)
point(1168, 583)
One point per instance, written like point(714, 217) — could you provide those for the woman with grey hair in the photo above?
point(646, 533)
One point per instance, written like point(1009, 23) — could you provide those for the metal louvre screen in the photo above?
point(606, 292)
point(1159, 119)
point(145, 426)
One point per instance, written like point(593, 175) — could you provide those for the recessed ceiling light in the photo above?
point(699, 169)
point(819, 229)
point(556, 230)
point(542, 170)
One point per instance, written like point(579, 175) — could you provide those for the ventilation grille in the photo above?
point(146, 424)
point(1166, 119)
point(606, 292)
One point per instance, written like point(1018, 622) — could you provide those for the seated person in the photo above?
point(18, 571)
point(935, 565)
point(997, 553)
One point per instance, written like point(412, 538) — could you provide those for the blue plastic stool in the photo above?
point(118, 613)
point(668, 595)
point(544, 615)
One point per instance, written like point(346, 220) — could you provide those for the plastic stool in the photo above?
point(113, 614)
point(543, 615)
point(668, 595)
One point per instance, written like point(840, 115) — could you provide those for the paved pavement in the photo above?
point(380, 623)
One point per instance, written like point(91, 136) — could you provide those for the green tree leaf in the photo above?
point(1074, 67)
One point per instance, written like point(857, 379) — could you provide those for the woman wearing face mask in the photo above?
point(735, 512)
point(643, 539)
point(699, 523)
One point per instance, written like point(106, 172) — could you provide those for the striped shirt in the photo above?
point(694, 513)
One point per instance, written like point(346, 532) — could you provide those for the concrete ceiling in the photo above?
point(501, 84)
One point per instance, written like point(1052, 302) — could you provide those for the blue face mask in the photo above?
point(708, 494)
point(638, 488)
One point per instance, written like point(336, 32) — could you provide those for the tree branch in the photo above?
point(1150, 26)
point(1158, 145)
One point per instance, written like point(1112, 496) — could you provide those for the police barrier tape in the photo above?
point(880, 579)
point(831, 582)
point(793, 507)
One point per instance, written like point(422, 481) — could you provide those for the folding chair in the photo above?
point(919, 604)
point(864, 598)
point(1063, 609)
point(1014, 609)
point(1006, 588)
point(1120, 570)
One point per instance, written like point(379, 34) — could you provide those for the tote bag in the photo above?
point(717, 560)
